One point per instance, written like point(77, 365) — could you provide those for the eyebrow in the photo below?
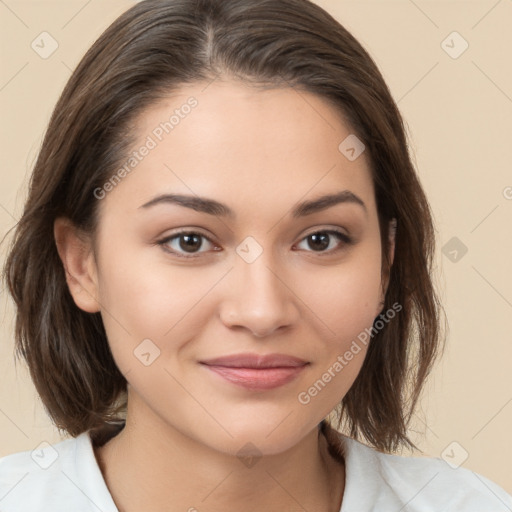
point(213, 207)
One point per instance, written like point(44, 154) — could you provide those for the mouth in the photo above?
point(257, 372)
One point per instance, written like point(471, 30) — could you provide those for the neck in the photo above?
point(168, 471)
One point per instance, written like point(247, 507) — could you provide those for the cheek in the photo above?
point(346, 308)
point(345, 301)
point(346, 297)
point(142, 300)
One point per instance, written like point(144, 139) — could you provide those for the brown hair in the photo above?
point(153, 48)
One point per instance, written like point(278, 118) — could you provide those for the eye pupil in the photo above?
point(192, 242)
point(320, 241)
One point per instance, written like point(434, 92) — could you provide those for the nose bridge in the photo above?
point(258, 299)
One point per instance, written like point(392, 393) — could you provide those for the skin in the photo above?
point(260, 153)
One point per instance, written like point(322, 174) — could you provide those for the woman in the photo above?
point(225, 241)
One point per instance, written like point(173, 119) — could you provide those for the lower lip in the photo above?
point(257, 378)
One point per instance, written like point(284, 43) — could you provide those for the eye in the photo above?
point(184, 244)
point(187, 244)
point(322, 241)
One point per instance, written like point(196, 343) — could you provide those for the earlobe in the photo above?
point(77, 257)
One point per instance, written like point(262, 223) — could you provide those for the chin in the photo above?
point(269, 436)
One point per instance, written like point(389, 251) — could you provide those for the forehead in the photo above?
point(242, 145)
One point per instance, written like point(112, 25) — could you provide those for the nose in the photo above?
point(260, 298)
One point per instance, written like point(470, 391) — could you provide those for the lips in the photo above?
point(257, 372)
point(256, 361)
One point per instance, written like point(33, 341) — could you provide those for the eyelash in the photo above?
point(347, 240)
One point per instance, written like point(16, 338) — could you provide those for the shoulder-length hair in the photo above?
point(157, 46)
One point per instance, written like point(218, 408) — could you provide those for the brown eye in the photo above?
point(183, 243)
point(325, 241)
point(190, 242)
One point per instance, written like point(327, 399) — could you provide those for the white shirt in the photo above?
point(378, 482)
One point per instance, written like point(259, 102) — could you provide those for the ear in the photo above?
point(77, 256)
point(391, 254)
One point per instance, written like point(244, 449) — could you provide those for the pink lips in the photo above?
point(257, 372)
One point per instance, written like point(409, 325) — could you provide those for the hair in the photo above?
point(152, 49)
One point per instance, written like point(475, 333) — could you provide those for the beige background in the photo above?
point(458, 111)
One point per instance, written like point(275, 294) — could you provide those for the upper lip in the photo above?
point(256, 361)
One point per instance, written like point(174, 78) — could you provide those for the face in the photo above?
point(264, 274)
